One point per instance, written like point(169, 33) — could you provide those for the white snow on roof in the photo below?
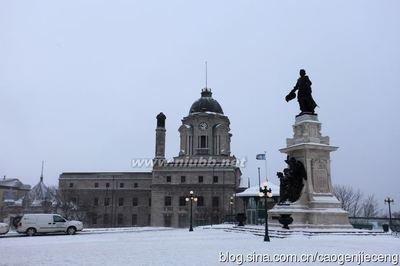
point(40, 193)
point(36, 203)
point(13, 183)
point(19, 202)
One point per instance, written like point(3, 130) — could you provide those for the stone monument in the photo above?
point(317, 206)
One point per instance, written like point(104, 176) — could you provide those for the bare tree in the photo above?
point(64, 203)
point(370, 207)
point(349, 198)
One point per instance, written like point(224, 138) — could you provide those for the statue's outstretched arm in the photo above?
point(296, 87)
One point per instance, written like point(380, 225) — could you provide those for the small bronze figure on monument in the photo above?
point(291, 180)
point(304, 97)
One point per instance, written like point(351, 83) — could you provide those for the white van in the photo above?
point(31, 224)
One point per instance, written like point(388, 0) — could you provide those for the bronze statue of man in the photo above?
point(304, 97)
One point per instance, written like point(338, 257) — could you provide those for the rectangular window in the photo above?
point(219, 145)
point(121, 202)
point(182, 201)
point(121, 185)
point(200, 201)
point(71, 184)
point(190, 145)
point(201, 179)
point(203, 141)
point(105, 219)
point(120, 219)
point(135, 201)
point(215, 179)
point(106, 201)
point(96, 202)
point(183, 179)
point(150, 202)
point(215, 202)
point(96, 184)
point(167, 201)
point(168, 179)
point(94, 219)
point(135, 185)
point(134, 219)
point(74, 201)
point(107, 184)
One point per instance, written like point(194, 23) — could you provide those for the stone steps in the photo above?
point(282, 233)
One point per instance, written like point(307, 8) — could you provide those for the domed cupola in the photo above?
point(206, 104)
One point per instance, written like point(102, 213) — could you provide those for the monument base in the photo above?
point(317, 206)
point(305, 217)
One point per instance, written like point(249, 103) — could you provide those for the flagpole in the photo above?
point(259, 179)
point(265, 156)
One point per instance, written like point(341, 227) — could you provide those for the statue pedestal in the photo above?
point(317, 206)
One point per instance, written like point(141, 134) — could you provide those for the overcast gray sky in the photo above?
point(82, 81)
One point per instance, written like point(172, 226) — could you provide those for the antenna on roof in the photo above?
point(41, 175)
point(206, 74)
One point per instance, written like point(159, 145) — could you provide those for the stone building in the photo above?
point(108, 199)
point(13, 197)
point(204, 165)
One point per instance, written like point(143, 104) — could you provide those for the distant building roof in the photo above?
point(107, 175)
point(14, 183)
point(41, 192)
point(255, 191)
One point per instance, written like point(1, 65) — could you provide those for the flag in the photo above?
point(261, 156)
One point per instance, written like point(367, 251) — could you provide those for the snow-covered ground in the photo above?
point(204, 246)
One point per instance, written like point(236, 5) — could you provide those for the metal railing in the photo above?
point(375, 223)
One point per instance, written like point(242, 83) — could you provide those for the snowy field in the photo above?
point(204, 246)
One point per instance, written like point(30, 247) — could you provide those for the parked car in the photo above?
point(4, 228)
point(32, 224)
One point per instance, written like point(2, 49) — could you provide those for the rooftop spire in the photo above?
point(41, 175)
point(206, 74)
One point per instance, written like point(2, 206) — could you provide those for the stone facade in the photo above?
point(109, 199)
point(317, 206)
point(204, 165)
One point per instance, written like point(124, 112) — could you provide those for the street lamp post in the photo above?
point(388, 200)
point(266, 193)
point(191, 197)
point(231, 207)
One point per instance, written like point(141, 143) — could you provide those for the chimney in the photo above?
point(160, 136)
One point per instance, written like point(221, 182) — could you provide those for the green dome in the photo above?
point(206, 104)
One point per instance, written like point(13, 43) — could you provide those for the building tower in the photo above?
point(204, 165)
